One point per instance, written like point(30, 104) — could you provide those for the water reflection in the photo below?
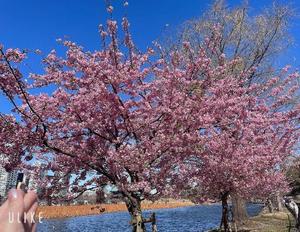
point(187, 219)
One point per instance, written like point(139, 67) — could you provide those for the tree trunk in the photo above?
point(270, 205)
point(224, 220)
point(278, 203)
point(239, 210)
point(134, 208)
point(293, 208)
point(154, 227)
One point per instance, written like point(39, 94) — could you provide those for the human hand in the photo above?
point(17, 212)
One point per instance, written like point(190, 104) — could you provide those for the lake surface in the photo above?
point(185, 219)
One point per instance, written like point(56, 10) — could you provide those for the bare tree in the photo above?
point(256, 39)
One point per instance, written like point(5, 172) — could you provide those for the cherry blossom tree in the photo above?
point(105, 112)
point(258, 39)
point(247, 139)
point(144, 124)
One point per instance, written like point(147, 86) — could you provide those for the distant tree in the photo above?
point(100, 197)
point(256, 39)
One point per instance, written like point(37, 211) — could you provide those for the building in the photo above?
point(8, 180)
point(12, 179)
point(3, 182)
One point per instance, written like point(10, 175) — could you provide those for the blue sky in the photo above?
point(36, 24)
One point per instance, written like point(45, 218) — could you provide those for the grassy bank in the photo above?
point(271, 222)
point(268, 222)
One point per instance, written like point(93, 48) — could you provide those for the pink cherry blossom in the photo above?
point(147, 125)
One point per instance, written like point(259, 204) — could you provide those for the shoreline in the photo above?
point(276, 221)
point(66, 211)
point(266, 222)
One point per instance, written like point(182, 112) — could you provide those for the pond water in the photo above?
point(186, 219)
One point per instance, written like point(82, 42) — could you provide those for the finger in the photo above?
point(4, 205)
point(15, 208)
point(30, 220)
point(33, 229)
point(16, 201)
point(32, 210)
point(29, 199)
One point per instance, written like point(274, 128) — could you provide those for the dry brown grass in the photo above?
point(81, 210)
point(275, 222)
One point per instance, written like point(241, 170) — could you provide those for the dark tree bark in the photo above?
point(154, 227)
point(225, 209)
point(270, 205)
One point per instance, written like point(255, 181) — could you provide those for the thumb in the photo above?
point(16, 204)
